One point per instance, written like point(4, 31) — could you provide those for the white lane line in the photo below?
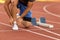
point(33, 32)
point(53, 22)
point(36, 27)
point(6, 30)
point(48, 12)
point(41, 34)
point(5, 24)
point(47, 30)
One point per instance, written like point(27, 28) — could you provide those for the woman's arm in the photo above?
point(29, 6)
point(6, 6)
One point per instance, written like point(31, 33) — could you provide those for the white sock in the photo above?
point(15, 27)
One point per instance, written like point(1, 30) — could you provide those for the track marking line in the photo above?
point(47, 30)
point(32, 32)
point(6, 30)
point(53, 22)
point(41, 34)
point(36, 27)
point(48, 12)
point(5, 24)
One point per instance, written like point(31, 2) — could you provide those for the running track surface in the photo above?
point(49, 10)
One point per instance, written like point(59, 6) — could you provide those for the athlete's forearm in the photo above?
point(25, 12)
point(29, 6)
point(7, 10)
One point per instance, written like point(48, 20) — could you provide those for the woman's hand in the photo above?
point(19, 20)
point(11, 21)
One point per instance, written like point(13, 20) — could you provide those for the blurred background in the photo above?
point(2, 1)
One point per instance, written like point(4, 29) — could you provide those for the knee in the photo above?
point(27, 24)
point(19, 21)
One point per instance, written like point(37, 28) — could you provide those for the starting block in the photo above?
point(33, 21)
point(41, 22)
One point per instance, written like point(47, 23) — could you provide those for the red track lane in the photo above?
point(6, 33)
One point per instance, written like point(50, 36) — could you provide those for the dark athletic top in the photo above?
point(24, 2)
point(22, 5)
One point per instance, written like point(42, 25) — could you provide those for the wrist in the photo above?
point(21, 17)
